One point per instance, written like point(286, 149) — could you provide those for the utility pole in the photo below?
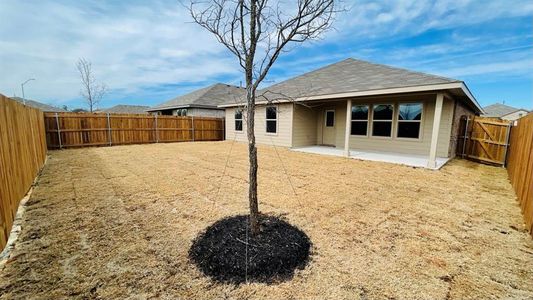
point(22, 86)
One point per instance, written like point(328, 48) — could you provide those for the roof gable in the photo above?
point(39, 105)
point(500, 110)
point(213, 95)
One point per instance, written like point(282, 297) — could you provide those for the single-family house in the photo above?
point(363, 110)
point(126, 109)
point(203, 102)
point(504, 112)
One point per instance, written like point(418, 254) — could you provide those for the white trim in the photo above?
point(419, 88)
point(390, 137)
point(369, 110)
point(276, 119)
point(421, 121)
point(439, 101)
point(241, 119)
point(326, 118)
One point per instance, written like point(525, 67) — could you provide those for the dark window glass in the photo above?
point(330, 118)
point(238, 114)
point(271, 112)
point(383, 112)
point(410, 111)
point(271, 126)
point(238, 125)
point(409, 129)
point(381, 128)
point(359, 128)
point(360, 112)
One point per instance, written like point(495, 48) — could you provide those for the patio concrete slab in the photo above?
point(412, 160)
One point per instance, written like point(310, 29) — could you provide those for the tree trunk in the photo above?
point(252, 154)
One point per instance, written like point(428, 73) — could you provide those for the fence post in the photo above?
point(507, 137)
point(109, 130)
point(193, 134)
point(156, 131)
point(58, 131)
point(465, 136)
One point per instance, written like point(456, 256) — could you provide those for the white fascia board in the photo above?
point(401, 90)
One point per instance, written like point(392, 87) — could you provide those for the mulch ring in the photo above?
point(228, 253)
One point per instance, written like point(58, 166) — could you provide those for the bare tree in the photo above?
point(91, 91)
point(257, 32)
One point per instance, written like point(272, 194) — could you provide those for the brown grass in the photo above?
point(117, 222)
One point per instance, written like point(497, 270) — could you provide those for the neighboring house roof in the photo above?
point(209, 97)
point(352, 77)
point(499, 110)
point(39, 105)
point(126, 109)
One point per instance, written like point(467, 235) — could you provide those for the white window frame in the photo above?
point(383, 120)
point(421, 121)
point(326, 118)
point(235, 120)
point(276, 119)
point(367, 120)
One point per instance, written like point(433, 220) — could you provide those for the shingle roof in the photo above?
point(499, 110)
point(211, 96)
point(127, 109)
point(39, 105)
point(352, 75)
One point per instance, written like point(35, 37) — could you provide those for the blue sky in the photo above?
point(148, 51)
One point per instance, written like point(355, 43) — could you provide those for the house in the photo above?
point(203, 102)
point(504, 112)
point(39, 105)
point(363, 110)
point(126, 109)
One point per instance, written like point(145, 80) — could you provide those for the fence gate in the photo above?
point(485, 139)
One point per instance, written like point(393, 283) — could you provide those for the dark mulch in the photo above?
point(222, 251)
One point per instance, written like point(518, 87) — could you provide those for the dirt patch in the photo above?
point(118, 222)
point(270, 256)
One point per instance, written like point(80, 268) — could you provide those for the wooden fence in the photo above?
point(65, 130)
point(22, 154)
point(520, 166)
point(485, 139)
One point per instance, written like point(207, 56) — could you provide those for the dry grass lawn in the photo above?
point(117, 222)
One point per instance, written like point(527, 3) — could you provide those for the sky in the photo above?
point(148, 52)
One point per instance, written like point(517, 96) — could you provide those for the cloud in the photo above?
point(130, 45)
point(150, 51)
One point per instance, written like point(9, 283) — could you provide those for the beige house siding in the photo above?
point(284, 126)
point(408, 146)
point(205, 112)
point(515, 115)
point(459, 110)
point(304, 126)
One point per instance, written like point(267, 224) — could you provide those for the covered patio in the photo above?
point(412, 160)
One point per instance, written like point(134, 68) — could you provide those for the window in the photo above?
point(182, 112)
point(409, 120)
point(359, 120)
point(271, 119)
point(238, 120)
point(382, 120)
point(330, 118)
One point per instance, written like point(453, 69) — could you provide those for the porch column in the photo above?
point(432, 162)
point(348, 127)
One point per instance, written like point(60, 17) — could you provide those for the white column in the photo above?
point(348, 127)
point(432, 162)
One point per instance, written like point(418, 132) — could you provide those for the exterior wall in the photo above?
point(205, 112)
point(459, 111)
point(193, 111)
point(515, 116)
point(282, 137)
point(409, 146)
point(304, 126)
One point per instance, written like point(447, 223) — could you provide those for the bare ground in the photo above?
point(117, 223)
